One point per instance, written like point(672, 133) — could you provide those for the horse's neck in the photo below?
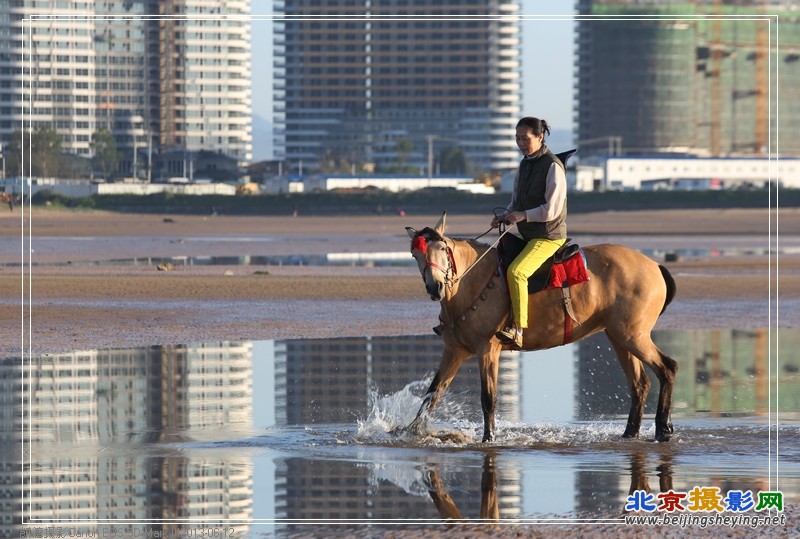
point(468, 252)
point(474, 270)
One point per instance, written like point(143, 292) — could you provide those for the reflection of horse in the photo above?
point(444, 503)
point(490, 509)
point(625, 295)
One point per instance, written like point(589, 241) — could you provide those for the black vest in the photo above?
point(531, 188)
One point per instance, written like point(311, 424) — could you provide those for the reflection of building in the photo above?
point(329, 380)
point(211, 385)
point(383, 90)
point(723, 372)
point(332, 489)
point(719, 372)
point(601, 389)
point(73, 404)
point(203, 489)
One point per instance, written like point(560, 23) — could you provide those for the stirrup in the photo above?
point(510, 335)
point(508, 332)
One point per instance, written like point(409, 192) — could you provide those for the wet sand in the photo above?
point(80, 300)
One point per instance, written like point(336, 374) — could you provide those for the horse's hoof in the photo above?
point(627, 434)
point(415, 428)
point(664, 434)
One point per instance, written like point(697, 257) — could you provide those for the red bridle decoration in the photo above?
point(419, 244)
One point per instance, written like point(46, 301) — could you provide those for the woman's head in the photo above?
point(530, 134)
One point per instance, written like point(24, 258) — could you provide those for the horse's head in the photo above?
point(434, 257)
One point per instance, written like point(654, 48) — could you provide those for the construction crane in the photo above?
point(716, 53)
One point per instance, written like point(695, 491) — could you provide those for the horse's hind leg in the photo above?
point(638, 383)
point(665, 369)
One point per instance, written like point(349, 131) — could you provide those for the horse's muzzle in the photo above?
point(435, 291)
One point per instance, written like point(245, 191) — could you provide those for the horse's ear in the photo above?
point(440, 225)
point(411, 231)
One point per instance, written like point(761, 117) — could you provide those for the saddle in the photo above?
point(554, 272)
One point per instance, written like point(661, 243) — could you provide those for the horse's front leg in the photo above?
point(451, 361)
point(489, 363)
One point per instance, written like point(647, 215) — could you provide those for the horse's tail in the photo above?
point(671, 288)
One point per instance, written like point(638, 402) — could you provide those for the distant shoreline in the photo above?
point(425, 201)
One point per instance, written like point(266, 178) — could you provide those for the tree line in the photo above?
point(38, 153)
point(450, 160)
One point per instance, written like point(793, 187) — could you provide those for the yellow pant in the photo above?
point(535, 253)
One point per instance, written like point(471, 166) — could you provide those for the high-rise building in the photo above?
point(703, 77)
point(169, 79)
point(393, 85)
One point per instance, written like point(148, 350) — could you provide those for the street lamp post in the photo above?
point(430, 158)
point(430, 139)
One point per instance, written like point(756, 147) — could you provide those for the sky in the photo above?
point(548, 36)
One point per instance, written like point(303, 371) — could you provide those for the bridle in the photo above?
point(450, 272)
point(420, 243)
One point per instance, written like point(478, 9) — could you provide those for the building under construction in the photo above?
point(704, 77)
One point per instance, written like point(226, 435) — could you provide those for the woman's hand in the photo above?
point(509, 218)
point(515, 217)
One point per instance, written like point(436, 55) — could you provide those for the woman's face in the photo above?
point(527, 142)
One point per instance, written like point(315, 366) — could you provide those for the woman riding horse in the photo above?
point(624, 296)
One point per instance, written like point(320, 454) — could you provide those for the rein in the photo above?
point(455, 279)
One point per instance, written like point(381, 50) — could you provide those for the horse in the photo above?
point(624, 296)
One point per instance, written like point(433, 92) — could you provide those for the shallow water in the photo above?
point(373, 259)
point(255, 437)
point(392, 250)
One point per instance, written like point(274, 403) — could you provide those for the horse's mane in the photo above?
point(475, 244)
point(433, 235)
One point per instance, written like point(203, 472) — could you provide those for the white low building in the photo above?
point(85, 188)
point(387, 183)
point(681, 173)
point(634, 173)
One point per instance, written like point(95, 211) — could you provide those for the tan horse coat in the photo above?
point(624, 297)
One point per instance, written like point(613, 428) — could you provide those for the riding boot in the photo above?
point(510, 335)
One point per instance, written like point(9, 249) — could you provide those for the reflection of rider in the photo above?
point(539, 209)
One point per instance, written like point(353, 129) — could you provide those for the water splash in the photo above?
point(448, 424)
point(410, 477)
point(389, 414)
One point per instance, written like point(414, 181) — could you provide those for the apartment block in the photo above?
point(381, 84)
point(169, 79)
